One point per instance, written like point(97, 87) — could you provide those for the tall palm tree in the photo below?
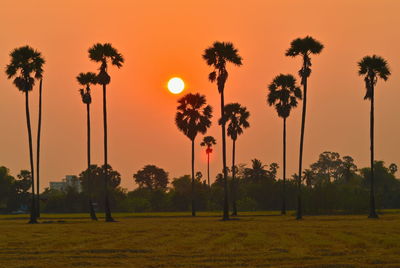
point(192, 117)
point(88, 79)
point(208, 141)
point(372, 68)
point(303, 47)
point(105, 54)
point(217, 56)
point(38, 149)
point(284, 95)
point(236, 116)
point(25, 62)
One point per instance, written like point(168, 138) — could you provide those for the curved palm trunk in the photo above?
point(283, 211)
point(299, 214)
point(234, 209)
point(226, 202)
point(38, 151)
point(33, 218)
point(107, 209)
point(193, 197)
point(372, 212)
point(91, 208)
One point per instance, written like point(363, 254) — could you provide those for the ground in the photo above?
point(178, 240)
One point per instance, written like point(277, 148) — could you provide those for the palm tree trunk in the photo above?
point(372, 212)
point(106, 198)
point(283, 212)
point(299, 215)
point(234, 209)
point(193, 198)
point(208, 169)
point(38, 151)
point(33, 218)
point(226, 202)
point(91, 208)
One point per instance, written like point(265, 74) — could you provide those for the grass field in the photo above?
point(175, 240)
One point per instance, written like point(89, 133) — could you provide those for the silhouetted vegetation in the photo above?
point(284, 95)
point(372, 68)
point(303, 47)
point(333, 184)
point(217, 56)
point(105, 54)
point(236, 117)
point(192, 117)
point(25, 62)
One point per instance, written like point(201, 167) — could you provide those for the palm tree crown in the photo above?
point(304, 47)
point(284, 93)
point(25, 61)
point(105, 53)
point(86, 79)
point(217, 56)
point(193, 115)
point(373, 67)
point(208, 141)
point(237, 116)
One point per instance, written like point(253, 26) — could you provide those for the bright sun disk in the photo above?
point(176, 85)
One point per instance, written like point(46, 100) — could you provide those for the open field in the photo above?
point(175, 240)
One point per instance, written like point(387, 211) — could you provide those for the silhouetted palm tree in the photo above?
point(192, 117)
point(372, 68)
point(25, 61)
point(284, 95)
point(88, 79)
point(236, 116)
point(217, 56)
point(208, 141)
point(303, 47)
point(105, 53)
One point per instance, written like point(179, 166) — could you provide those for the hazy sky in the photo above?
point(161, 39)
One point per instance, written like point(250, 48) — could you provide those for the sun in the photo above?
point(176, 85)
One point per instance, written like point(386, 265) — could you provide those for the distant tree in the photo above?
point(236, 117)
point(152, 177)
point(91, 181)
point(348, 169)
point(6, 187)
point(208, 141)
point(393, 168)
point(192, 117)
point(105, 54)
point(303, 47)
point(372, 68)
point(327, 168)
point(86, 80)
point(309, 177)
point(257, 171)
point(284, 95)
point(217, 56)
point(22, 185)
point(25, 62)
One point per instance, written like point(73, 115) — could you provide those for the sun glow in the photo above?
point(176, 85)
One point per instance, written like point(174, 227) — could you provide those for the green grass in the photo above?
point(260, 239)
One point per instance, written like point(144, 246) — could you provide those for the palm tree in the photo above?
point(284, 95)
point(88, 79)
point(25, 62)
point(236, 116)
point(303, 47)
point(208, 141)
point(372, 68)
point(105, 54)
point(217, 56)
point(192, 117)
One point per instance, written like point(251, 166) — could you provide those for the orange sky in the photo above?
point(161, 39)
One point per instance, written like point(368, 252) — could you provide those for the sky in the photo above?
point(162, 39)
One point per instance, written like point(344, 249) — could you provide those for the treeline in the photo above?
point(332, 184)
